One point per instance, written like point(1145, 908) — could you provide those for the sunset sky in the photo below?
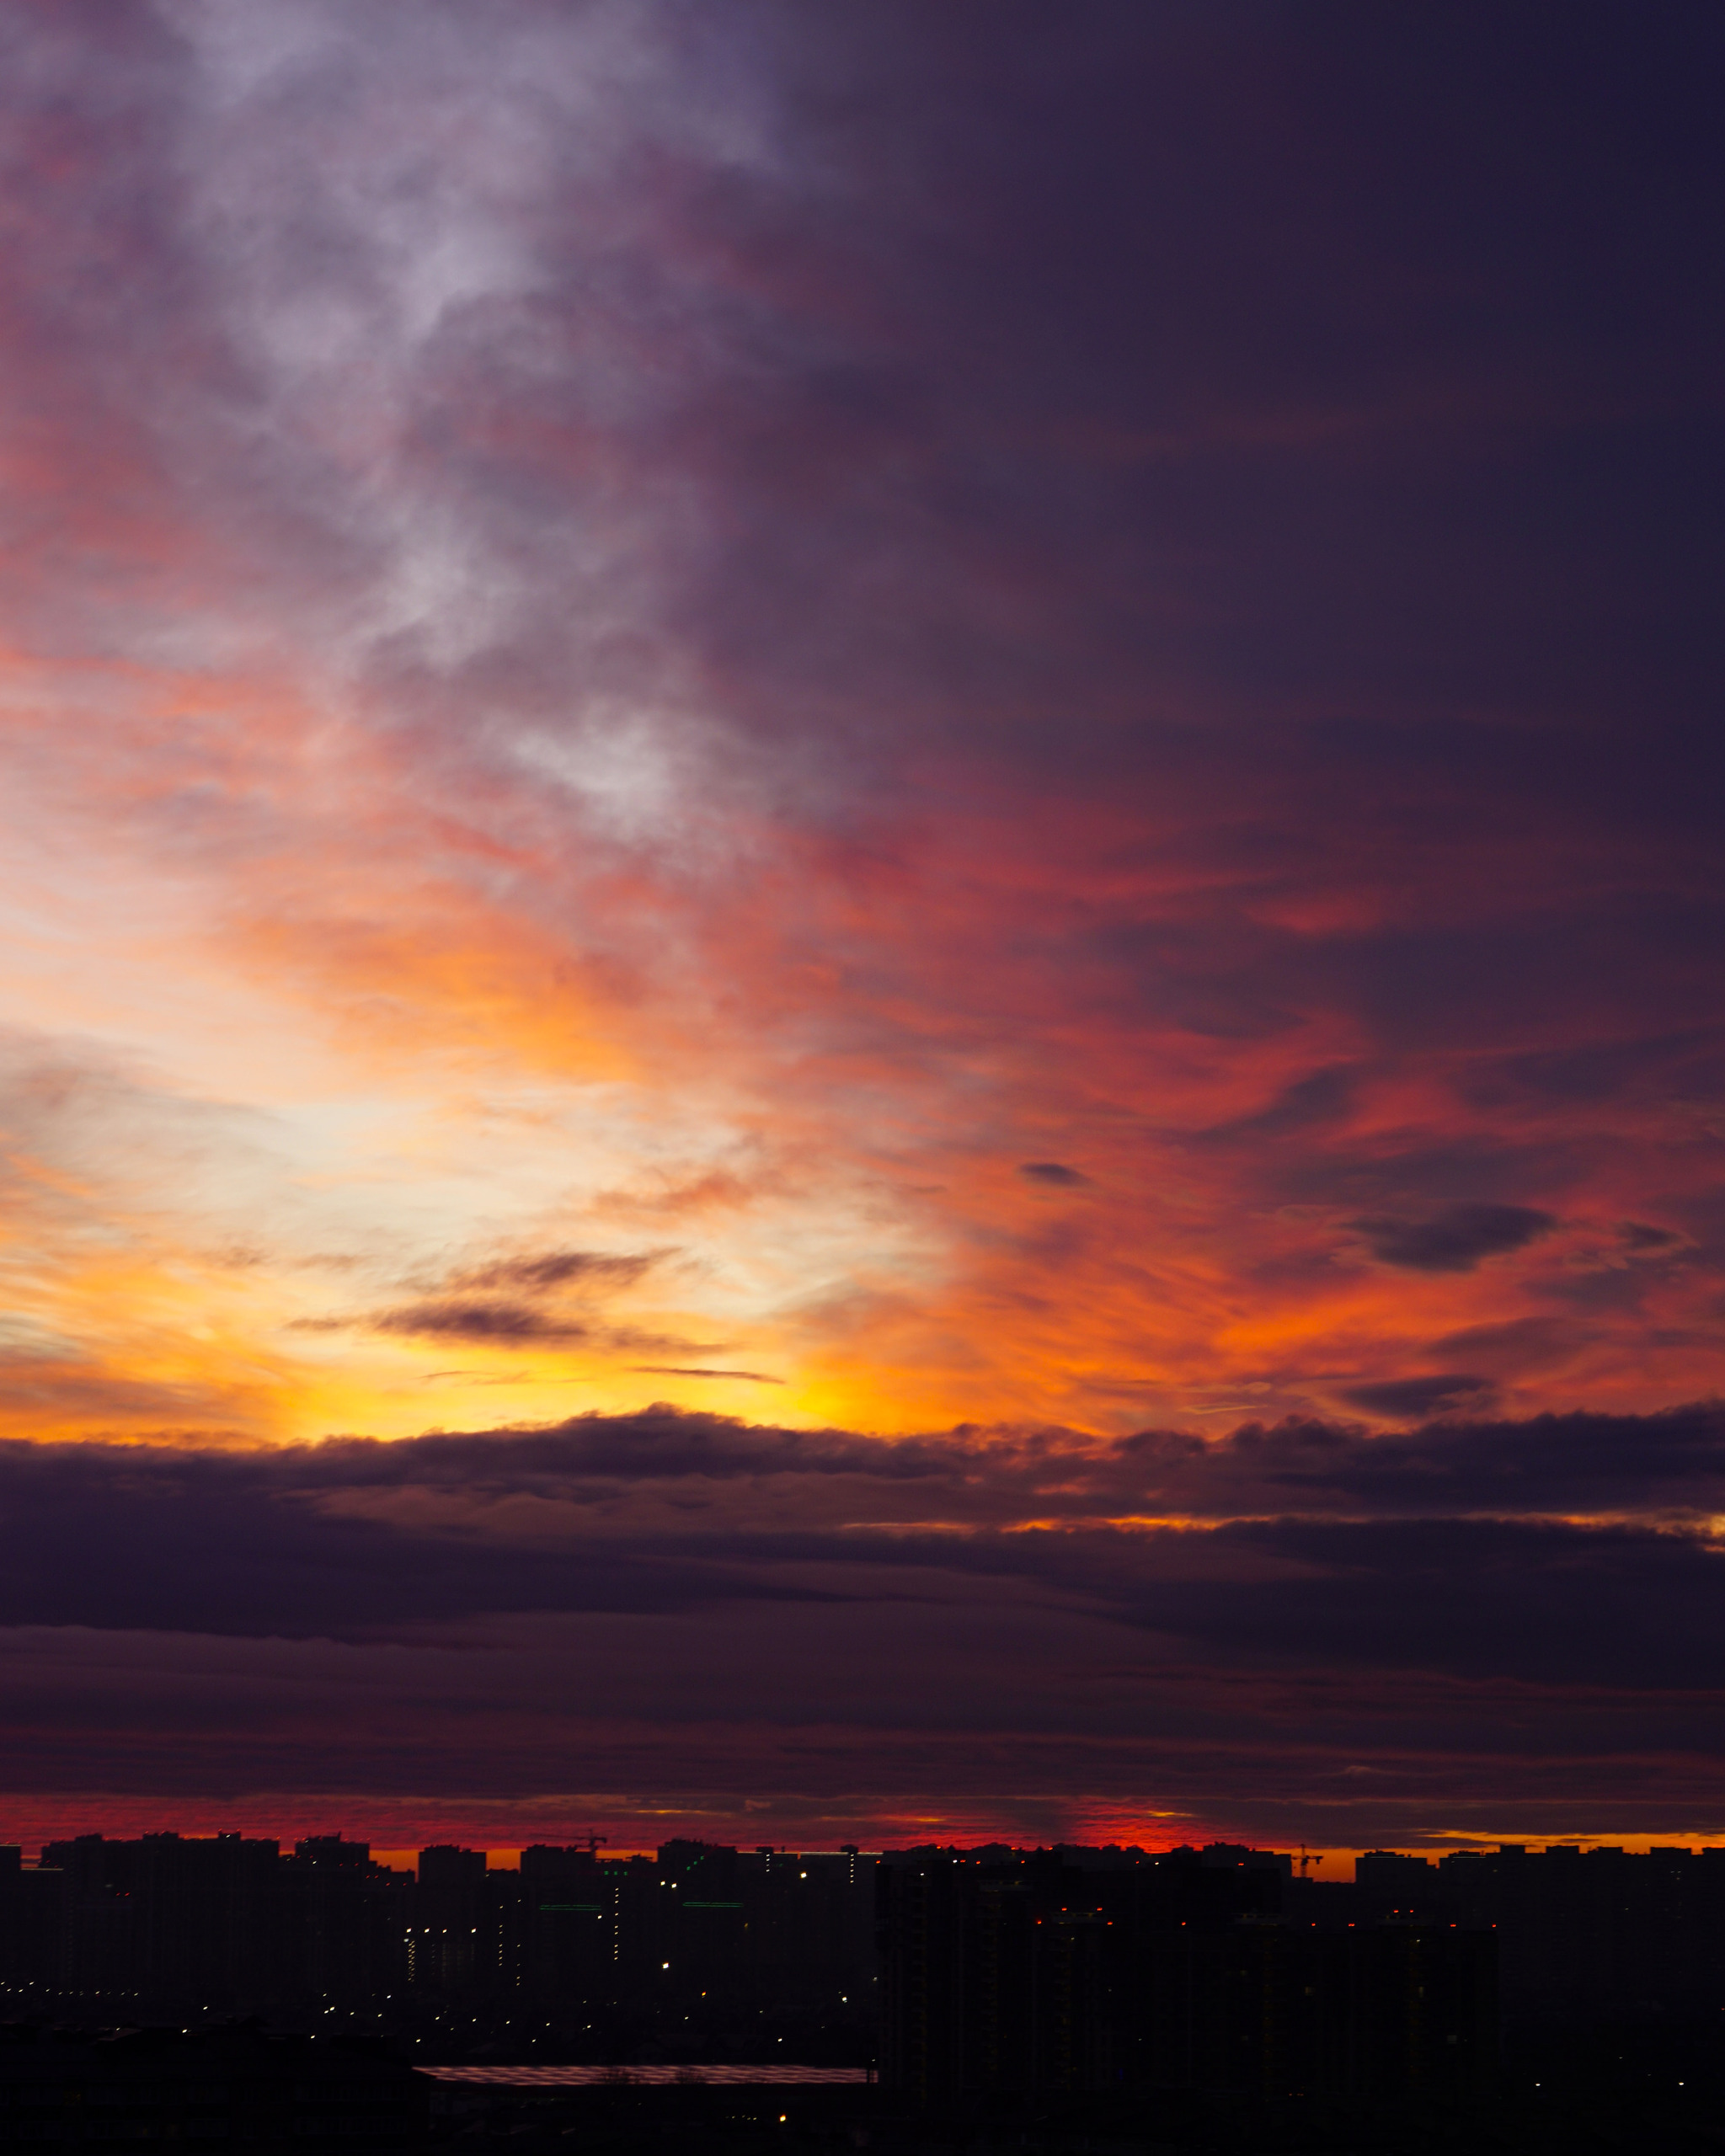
point(862, 919)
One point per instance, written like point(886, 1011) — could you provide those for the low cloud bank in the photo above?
point(1306, 1628)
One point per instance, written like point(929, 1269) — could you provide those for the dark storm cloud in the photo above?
point(1456, 1240)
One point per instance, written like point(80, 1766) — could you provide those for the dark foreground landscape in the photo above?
point(1105, 2002)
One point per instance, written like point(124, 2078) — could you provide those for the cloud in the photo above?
point(1322, 1097)
point(509, 1320)
point(1411, 1398)
point(1516, 1346)
point(1455, 1240)
point(1208, 890)
point(685, 1370)
point(897, 1618)
point(599, 632)
point(502, 1322)
point(560, 1269)
point(620, 1485)
point(1636, 1236)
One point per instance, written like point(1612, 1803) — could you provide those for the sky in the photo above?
point(861, 922)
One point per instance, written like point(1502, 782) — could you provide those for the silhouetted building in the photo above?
point(570, 1919)
point(1070, 1968)
point(164, 1924)
point(32, 1923)
point(345, 1923)
point(442, 1936)
point(1032, 1973)
point(1599, 1930)
point(1172, 1972)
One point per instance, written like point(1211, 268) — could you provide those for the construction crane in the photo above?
point(1307, 1858)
